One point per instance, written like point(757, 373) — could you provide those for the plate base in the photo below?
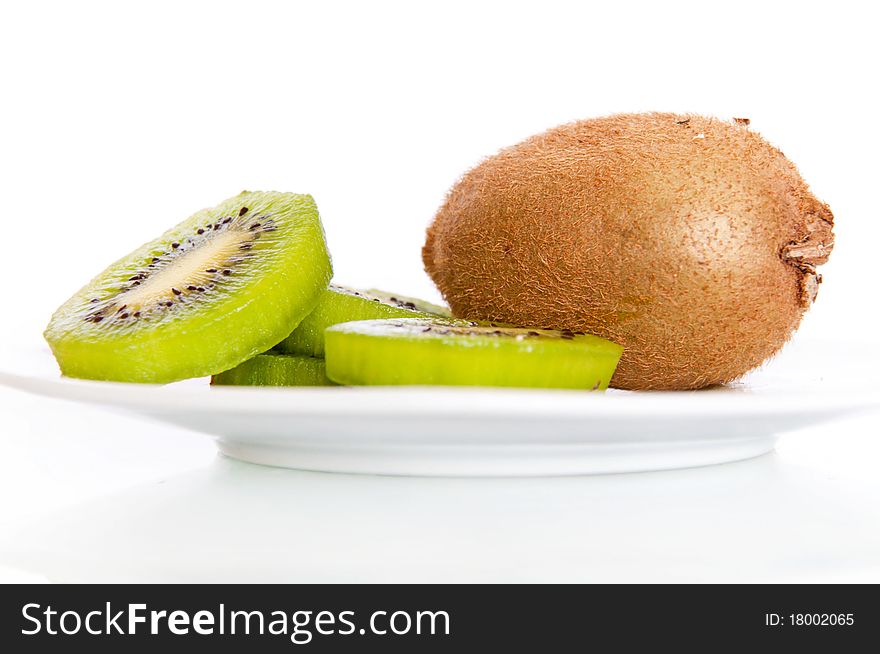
point(501, 461)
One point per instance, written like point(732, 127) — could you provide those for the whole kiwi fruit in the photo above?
point(689, 240)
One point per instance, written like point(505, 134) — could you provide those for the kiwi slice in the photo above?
point(412, 303)
point(217, 289)
point(342, 304)
point(438, 352)
point(275, 370)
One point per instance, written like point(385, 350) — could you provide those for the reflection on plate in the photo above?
point(469, 431)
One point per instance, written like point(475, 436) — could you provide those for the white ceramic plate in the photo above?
point(469, 431)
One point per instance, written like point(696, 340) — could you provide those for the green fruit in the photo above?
point(406, 302)
point(341, 304)
point(275, 370)
point(216, 290)
point(436, 352)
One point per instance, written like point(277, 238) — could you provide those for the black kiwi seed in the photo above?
point(246, 246)
point(95, 300)
point(200, 231)
point(227, 272)
point(174, 246)
point(176, 291)
point(228, 220)
point(190, 288)
point(255, 226)
point(137, 314)
point(242, 212)
point(169, 303)
point(124, 315)
point(200, 289)
point(217, 226)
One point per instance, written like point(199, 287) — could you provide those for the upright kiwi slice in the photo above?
point(437, 352)
point(217, 289)
point(341, 304)
point(275, 370)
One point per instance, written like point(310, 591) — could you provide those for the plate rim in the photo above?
point(427, 400)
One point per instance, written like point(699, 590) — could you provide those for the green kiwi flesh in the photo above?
point(275, 370)
point(342, 304)
point(445, 353)
point(208, 294)
point(411, 303)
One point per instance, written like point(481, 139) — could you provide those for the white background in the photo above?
point(118, 120)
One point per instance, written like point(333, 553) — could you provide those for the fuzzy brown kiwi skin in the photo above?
point(689, 240)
